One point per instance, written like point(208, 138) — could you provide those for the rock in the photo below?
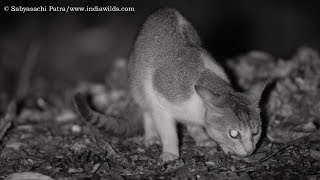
point(27, 176)
point(76, 129)
point(75, 170)
point(14, 145)
point(66, 115)
point(77, 147)
point(315, 154)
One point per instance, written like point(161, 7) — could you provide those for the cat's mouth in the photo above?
point(233, 153)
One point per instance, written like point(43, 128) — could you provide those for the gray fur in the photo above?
point(214, 83)
point(167, 59)
point(159, 44)
point(239, 107)
point(169, 46)
point(175, 77)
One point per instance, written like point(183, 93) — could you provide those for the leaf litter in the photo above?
point(42, 135)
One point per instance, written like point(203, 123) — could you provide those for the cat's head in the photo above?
point(233, 119)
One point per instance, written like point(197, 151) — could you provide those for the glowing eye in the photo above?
point(234, 133)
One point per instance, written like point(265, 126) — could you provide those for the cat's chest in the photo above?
point(191, 110)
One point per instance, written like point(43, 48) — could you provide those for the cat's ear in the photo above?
point(210, 99)
point(207, 95)
point(255, 92)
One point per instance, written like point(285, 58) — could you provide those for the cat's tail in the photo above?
point(112, 125)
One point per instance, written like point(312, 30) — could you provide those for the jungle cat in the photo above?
point(173, 78)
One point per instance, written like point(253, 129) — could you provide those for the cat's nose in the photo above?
point(248, 148)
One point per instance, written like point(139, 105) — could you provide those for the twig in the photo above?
point(259, 162)
point(26, 70)
point(6, 121)
point(22, 87)
point(106, 145)
point(273, 154)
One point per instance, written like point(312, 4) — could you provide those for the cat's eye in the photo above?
point(256, 132)
point(234, 134)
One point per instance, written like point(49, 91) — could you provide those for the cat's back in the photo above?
point(168, 57)
point(166, 51)
point(165, 33)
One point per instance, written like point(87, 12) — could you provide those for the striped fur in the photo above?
point(111, 125)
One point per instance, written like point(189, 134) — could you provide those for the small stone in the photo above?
point(78, 147)
point(76, 129)
point(65, 116)
point(233, 168)
point(141, 150)
point(315, 154)
point(41, 102)
point(27, 128)
point(95, 167)
point(14, 145)
point(75, 170)
point(48, 167)
point(210, 163)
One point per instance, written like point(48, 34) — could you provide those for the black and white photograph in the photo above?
point(172, 89)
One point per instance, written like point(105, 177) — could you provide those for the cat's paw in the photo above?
point(166, 156)
point(207, 143)
point(151, 141)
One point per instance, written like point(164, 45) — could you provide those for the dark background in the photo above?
point(81, 46)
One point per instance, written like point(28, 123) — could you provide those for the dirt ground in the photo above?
point(43, 133)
